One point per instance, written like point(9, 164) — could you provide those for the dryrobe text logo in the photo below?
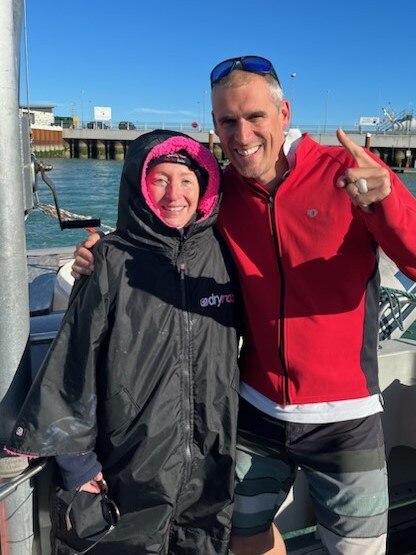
point(217, 300)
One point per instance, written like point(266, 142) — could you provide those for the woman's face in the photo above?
point(174, 189)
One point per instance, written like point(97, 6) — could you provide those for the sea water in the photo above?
point(84, 187)
point(89, 188)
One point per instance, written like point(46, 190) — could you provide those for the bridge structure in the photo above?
point(395, 149)
point(113, 143)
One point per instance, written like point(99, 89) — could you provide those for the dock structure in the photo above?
point(395, 149)
point(111, 144)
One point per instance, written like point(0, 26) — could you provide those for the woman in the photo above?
point(141, 380)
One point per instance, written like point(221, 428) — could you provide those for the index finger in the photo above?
point(356, 151)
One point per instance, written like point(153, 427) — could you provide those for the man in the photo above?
point(304, 222)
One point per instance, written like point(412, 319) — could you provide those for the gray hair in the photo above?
point(237, 78)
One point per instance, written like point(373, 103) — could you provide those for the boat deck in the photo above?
point(42, 266)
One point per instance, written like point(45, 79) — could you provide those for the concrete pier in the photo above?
point(113, 143)
point(48, 139)
point(397, 150)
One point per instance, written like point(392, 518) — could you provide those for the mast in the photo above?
point(16, 518)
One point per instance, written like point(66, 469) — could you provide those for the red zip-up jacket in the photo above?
point(307, 261)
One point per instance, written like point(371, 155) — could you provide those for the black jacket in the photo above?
point(143, 371)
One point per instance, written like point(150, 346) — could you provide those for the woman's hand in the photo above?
point(94, 485)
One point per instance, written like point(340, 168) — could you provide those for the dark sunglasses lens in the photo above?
point(253, 63)
point(221, 70)
point(110, 511)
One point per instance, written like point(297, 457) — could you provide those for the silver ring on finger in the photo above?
point(361, 184)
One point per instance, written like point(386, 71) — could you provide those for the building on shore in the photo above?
point(46, 136)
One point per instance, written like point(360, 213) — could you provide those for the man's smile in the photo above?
point(248, 151)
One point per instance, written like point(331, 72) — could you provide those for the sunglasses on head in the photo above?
point(253, 64)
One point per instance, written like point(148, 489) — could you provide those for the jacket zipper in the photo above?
point(281, 333)
point(186, 374)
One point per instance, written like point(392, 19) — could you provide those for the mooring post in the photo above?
point(211, 140)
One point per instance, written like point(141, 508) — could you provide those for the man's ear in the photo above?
point(285, 113)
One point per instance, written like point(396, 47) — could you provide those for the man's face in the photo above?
point(251, 128)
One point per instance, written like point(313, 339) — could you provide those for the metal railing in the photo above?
point(11, 486)
point(136, 125)
point(313, 129)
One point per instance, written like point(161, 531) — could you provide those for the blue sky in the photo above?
point(149, 60)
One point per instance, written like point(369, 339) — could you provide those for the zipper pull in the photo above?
point(180, 248)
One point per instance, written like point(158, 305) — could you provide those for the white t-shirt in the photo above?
point(314, 413)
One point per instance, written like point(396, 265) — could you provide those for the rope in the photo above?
point(393, 299)
point(390, 292)
point(67, 215)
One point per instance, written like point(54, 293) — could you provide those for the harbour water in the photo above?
point(90, 188)
point(86, 187)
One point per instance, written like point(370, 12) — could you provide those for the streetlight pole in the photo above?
point(326, 109)
point(409, 117)
point(73, 112)
point(292, 100)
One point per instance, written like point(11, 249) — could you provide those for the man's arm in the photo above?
point(84, 258)
point(388, 207)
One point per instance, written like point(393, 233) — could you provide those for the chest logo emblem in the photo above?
point(312, 212)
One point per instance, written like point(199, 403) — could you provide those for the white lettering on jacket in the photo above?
point(217, 300)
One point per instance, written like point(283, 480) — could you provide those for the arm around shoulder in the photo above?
point(84, 257)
